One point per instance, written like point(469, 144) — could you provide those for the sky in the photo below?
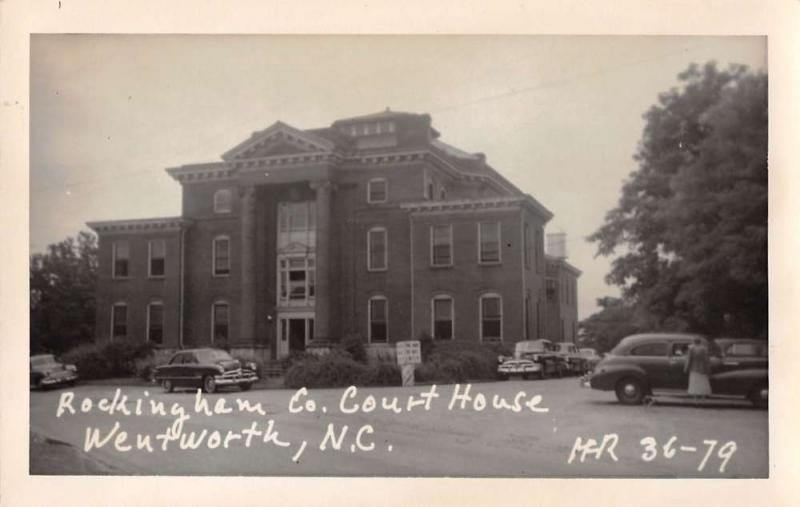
point(559, 116)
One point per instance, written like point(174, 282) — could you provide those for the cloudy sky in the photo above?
point(558, 116)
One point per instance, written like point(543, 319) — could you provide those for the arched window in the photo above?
point(491, 317)
point(377, 249)
point(220, 322)
point(221, 256)
point(223, 200)
point(378, 318)
point(442, 317)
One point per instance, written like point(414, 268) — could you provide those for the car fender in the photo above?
point(605, 377)
point(739, 382)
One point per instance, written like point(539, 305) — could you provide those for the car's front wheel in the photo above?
point(167, 386)
point(759, 396)
point(209, 384)
point(631, 391)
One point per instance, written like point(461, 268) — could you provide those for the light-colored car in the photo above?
point(47, 372)
point(531, 357)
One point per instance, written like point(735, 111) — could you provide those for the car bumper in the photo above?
point(240, 378)
point(519, 370)
point(54, 380)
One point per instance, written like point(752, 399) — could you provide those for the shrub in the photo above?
point(296, 357)
point(383, 374)
point(427, 345)
point(89, 360)
point(331, 370)
point(119, 358)
point(354, 346)
point(144, 367)
point(338, 369)
point(453, 361)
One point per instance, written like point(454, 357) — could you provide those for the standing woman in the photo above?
point(697, 365)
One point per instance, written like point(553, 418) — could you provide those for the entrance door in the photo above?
point(295, 333)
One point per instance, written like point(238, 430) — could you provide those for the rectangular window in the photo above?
point(377, 191)
point(157, 250)
point(219, 317)
point(443, 318)
point(427, 186)
point(121, 253)
point(119, 320)
point(377, 252)
point(155, 323)
point(491, 318)
point(296, 281)
point(222, 256)
point(378, 319)
point(441, 245)
point(489, 239)
point(222, 200)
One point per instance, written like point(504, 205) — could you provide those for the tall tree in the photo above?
point(62, 294)
point(692, 220)
point(605, 328)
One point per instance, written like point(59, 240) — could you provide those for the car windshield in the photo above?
point(43, 360)
point(213, 355)
point(527, 347)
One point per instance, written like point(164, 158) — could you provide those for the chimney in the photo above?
point(557, 245)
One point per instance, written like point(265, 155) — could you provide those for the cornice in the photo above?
point(145, 225)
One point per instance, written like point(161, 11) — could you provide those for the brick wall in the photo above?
point(138, 290)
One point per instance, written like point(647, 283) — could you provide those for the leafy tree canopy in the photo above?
point(690, 229)
point(62, 294)
point(604, 329)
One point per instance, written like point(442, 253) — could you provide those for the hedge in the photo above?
point(118, 358)
point(339, 369)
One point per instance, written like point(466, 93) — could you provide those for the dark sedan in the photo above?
point(205, 368)
point(645, 364)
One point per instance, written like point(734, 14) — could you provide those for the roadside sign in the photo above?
point(409, 352)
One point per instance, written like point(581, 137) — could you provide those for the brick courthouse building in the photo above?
point(371, 227)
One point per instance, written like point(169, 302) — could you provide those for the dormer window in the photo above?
point(377, 190)
point(223, 200)
point(374, 128)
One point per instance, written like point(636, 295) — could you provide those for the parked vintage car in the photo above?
point(645, 364)
point(569, 353)
point(590, 358)
point(742, 352)
point(47, 372)
point(205, 368)
point(532, 357)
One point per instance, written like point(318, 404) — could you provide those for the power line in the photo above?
point(444, 109)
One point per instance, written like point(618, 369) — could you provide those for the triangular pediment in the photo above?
point(279, 139)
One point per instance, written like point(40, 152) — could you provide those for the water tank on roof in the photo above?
point(557, 245)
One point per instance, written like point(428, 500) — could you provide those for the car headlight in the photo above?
point(220, 369)
point(252, 366)
point(71, 367)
